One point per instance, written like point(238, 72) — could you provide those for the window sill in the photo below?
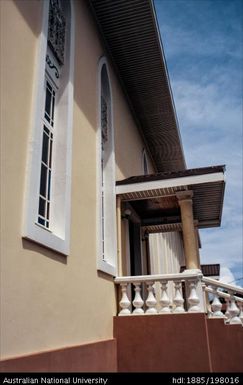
point(46, 238)
point(107, 268)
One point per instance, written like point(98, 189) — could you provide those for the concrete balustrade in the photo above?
point(150, 295)
point(233, 314)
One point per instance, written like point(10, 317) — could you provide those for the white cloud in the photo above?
point(197, 44)
point(226, 275)
point(222, 245)
point(211, 128)
point(205, 107)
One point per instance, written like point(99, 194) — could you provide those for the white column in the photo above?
point(119, 236)
point(190, 244)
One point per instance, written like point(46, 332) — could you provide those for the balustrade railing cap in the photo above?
point(230, 288)
point(159, 277)
point(222, 294)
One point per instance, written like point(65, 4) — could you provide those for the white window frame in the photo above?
point(58, 237)
point(106, 263)
point(48, 131)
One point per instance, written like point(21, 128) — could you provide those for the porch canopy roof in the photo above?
point(154, 197)
point(130, 33)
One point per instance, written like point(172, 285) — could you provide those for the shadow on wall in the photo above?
point(85, 66)
point(38, 249)
point(105, 276)
point(30, 10)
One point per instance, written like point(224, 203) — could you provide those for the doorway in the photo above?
point(135, 248)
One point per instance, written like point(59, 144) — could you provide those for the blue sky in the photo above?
point(203, 41)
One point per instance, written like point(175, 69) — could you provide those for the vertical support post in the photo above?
point(119, 240)
point(190, 245)
point(197, 245)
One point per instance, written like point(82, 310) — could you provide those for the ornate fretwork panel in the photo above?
point(104, 120)
point(56, 30)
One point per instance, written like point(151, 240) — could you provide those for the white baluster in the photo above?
point(124, 303)
point(240, 304)
point(138, 301)
point(178, 299)
point(193, 299)
point(234, 312)
point(216, 305)
point(227, 314)
point(164, 300)
point(207, 302)
point(151, 301)
point(205, 297)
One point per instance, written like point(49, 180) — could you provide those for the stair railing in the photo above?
point(232, 295)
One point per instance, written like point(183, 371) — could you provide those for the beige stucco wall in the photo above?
point(50, 301)
point(128, 143)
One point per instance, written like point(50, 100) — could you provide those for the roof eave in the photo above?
point(162, 136)
point(207, 185)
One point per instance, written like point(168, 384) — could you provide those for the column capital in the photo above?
point(184, 195)
point(187, 194)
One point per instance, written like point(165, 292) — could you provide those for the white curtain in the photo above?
point(166, 256)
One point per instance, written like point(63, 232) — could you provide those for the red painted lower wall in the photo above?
point(226, 346)
point(178, 343)
point(162, 343)
point(96, 357)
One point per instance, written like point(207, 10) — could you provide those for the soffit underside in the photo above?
point(158, 207)
point(131, 36)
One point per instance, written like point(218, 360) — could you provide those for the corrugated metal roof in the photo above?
point(131, 36)
point(171, 175)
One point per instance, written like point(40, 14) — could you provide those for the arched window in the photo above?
point(106, 190)
point(49, 163)
point(52, 85)
point(145, 163)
